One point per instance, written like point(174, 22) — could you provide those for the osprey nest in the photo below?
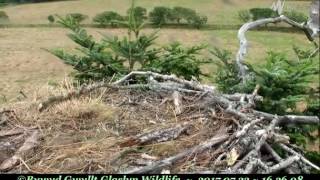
point(166, 125)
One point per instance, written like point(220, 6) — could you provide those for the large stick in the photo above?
point(244, 43)
point(171, 160)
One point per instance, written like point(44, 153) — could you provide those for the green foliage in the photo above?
point(199, 21)
point(139, 13)
point(115, 56)
point(3, 16)
point(284, 82)
point(51, 18)
point(68, 22)
point(163, 15)
point(108, 18)
point(314, 157)
point(227, 73)
point(296, 16)
point(261, 13)
point(304, 53)
point(182, 13)
point(78, 17)
point(94, 63)
point(160, 15)
point(244, 16)
point(138, 50)
point(175, 59)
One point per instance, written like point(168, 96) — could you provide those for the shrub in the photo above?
point(116, 56)
point(227, 73)
point(178, 60)
point(93, 63)
point(160, 15)
point(261, 13)
point(108, 18)
point(180, 13)
point(51, 18)
point(3, 16)
point(296, 16)
point(244, 16)
point(284, 82)
point(78, 17)
point(133, 51)
point(139, 13)
point(198, 21)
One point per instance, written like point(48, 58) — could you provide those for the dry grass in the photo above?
point(84, 135)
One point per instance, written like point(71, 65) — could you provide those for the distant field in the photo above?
point(25, 66)
point(218, 11)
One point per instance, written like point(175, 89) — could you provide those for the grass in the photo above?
point(26, 66)
point(218, 11)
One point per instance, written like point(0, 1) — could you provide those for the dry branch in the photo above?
point(30, 143)
point(159, 165)
point(177, 101)
point(244, 43)
point(161, 135)
point(300, 156)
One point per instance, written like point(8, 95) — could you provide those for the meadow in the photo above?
point(25, 64)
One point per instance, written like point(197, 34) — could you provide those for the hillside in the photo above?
point(218, 11)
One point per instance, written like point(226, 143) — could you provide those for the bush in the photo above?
point(227, 73)
point(3, 16)
point(261, 13)
point(93, 63)
point(284, 82)
point(160, 15)
point(296, 16)
point(178, 60)
point(199, 21)
point(244, 16)
point(108, 18)
point(51, 18)
point(78, 17)
point(181, 13)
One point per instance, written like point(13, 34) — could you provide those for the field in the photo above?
point(25, 65)
point(218, 11)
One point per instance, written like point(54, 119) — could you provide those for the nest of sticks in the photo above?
point(166, 125)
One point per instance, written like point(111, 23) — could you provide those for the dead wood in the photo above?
point(30, 143)
point(157, 136)
point(159, 165)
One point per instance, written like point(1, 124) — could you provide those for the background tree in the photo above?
point(160, 15)
point(78, 17)
point(108, 18)
point(139, 13)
